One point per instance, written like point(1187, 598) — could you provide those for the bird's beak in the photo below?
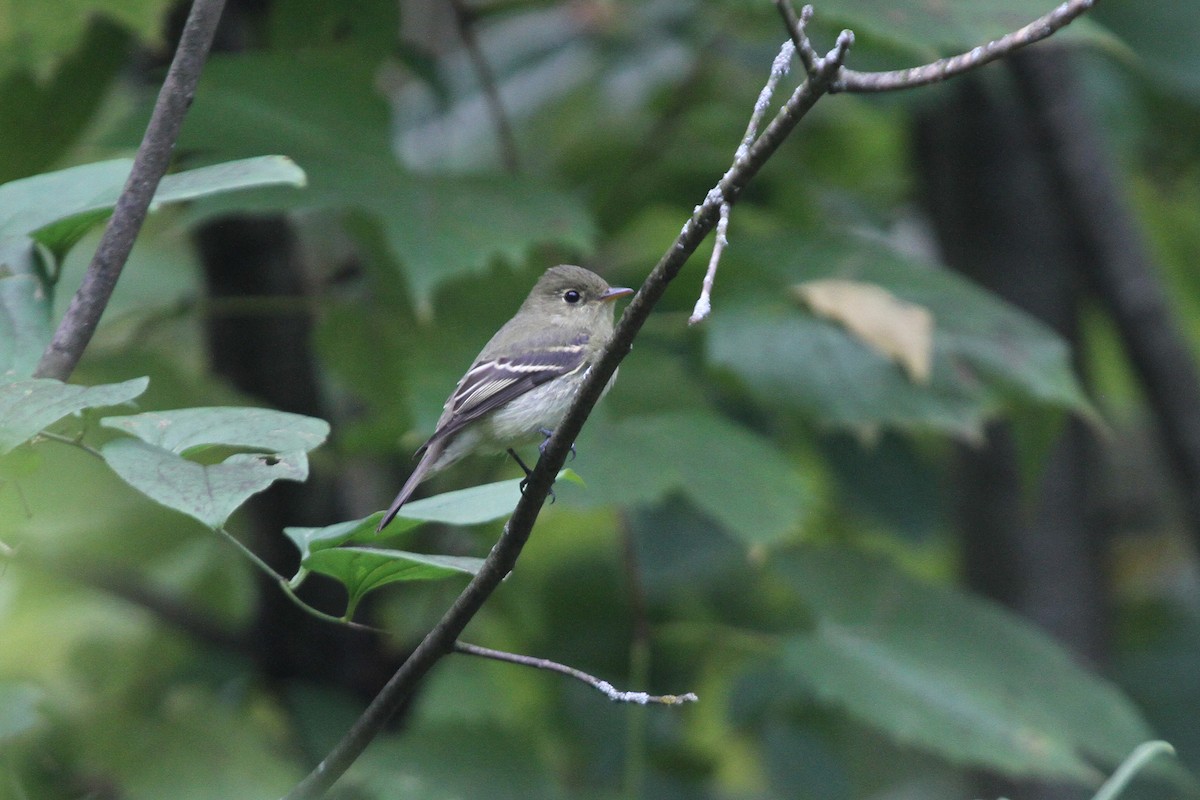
point(613, 292)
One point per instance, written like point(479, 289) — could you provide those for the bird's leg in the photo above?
point(548, 433)
point(528, 472)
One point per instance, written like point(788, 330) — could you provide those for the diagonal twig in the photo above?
point(149, 165)
point(464, 18)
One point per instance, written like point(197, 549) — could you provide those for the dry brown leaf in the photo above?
point(898, 329)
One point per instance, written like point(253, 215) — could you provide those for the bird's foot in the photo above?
point(548, 433)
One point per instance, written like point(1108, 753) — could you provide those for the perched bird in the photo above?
point(526, 376)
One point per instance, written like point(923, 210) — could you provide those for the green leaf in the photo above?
point(25, 328)
point(41, 118)
point(952, 674)
point(732, 475)
point(34, 36)
point(58, 207)
point(19, 709)
point(310, 540)
point(321, 107)
point(185, 429)
point(364, 569)
point(472, 506)
point(984, 351)
point(209, 493)
point(28, 406)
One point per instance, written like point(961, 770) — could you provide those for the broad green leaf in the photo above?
point(364, 569)
point(734, 476)
point(184, 429)
point(321, 108)
point(359, 531)
point(472, 506)
point(34, 36)
point(209, 493)
point(952, 674)
point(25, 326)
point(28, 406)
point(984, 351)
point(18, 709)
point(58, 207)
point(42, 116)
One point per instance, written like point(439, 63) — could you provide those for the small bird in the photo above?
point(526, 376)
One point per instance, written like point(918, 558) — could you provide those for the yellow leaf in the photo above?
point(897, 329)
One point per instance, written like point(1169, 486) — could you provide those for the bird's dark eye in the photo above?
point(572, 296)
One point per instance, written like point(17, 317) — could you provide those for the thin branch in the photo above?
point(441, 639)
point(703, 305)
point(465, 19)
point(602, 686)
point(849, 80)
point(71, 441)
point(149, 165)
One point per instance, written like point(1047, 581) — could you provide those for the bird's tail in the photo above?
point(432, 451)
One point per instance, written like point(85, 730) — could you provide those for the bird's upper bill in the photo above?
point(613, 292)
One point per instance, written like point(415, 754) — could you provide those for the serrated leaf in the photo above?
point(181, 430)
point(364, 569)
point(59, 207)
point(28, 406)
point(732, 475)
point(984, 350)
point(900, 331)
point(952, 674)
point(209, 493)
point(321, 107)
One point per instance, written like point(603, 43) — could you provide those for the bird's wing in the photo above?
point(490, 383)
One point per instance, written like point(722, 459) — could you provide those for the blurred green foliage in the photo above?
point(762, 517)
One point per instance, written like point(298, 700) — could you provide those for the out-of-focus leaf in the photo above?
point(729, 473)
point(24, 309)
point(364, 569)
point(18, 709)
point(1163, 34)
point(34, 36)
point(42, 118)
point(185, 429)
point(369, 24)
point(28, 406)
point(984, 351)
point(952, 674)
point(321, 108)
point(209, 493)
point(897, 330)
point(64, 219)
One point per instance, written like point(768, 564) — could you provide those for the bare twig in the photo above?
point(465, 19)
point(703, 305)
point(441, 639)
point(149, 165)
point(602, 686)
point(849, 80)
